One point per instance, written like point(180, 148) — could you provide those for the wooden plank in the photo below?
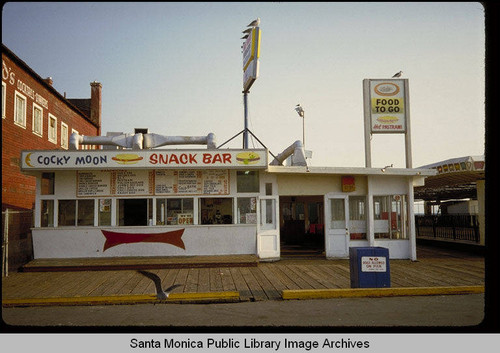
point(340, 281)
point(471, 270)
point(216, 279)
point(265, 284)
point(133, 281)
point(204, 280)
point(76, 288)
point(292, 275)
point(280, 273)
point(122, 285)
point(108, 286)
point(97, 280)
point(258, 293)
point(241, 284)
point(170, 279)
point(227, 279)
point(271, 276)
point(142, 286)
point(63, 285)
point(322, 276)
point(18, 284)
point(52, 285)
point(421, 279)
point(192, 280)
point(307, 282)
point(181, 278)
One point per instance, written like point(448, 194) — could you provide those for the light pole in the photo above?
point(300, 111)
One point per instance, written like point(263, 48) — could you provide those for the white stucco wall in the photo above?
point(198, 240)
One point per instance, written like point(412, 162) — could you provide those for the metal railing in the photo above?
point(459, 227)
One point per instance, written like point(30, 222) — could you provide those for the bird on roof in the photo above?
point(161, 294)
point(254, 23)
point(397, 74)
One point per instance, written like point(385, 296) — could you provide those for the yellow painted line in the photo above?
point(208, 297)
point(378, 292)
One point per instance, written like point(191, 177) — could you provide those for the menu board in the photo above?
point(215, 182)
point(93, 183)
point(192, 182)
point(132, 182)
point(159, 182)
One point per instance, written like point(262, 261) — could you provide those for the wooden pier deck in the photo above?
point(255, 282)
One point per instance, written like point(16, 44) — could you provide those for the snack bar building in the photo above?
point(149, 201)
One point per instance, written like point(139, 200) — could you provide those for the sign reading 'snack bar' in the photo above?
point(129, 159)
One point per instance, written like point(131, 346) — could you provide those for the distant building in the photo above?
point(35, 116)
point(454, 201)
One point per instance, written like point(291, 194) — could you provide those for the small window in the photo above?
point(76, 213)
point(247, 181)
point(247, 210)
point(357, 217)
point(64, 135)
point(104, 212)
point(390, 213)
point(67, 213)
point(47, 213)
point(37, 120)
point(267, 216)
point(52, 129)
point(48, 183)
point(85, 213)
point(20, 110)
point(174, 211)
point(216, 210)
point(269, 189)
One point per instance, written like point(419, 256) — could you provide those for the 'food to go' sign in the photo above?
point(387, 106)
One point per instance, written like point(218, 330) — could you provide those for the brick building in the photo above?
point(35, 116)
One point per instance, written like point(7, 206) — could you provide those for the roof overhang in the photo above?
point(309, 170)
point(455, 179)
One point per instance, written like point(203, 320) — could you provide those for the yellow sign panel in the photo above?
point(387, 105)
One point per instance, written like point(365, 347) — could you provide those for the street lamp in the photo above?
point(300, 111)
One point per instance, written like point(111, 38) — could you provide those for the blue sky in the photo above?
point(176, 68)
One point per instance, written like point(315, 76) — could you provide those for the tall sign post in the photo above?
point(387, 111)
point(251, 52)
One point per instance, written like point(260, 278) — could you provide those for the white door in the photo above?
point(268, 233)
point(336, 226)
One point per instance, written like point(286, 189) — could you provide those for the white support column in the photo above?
point(411, 221)
point(370, 219)
point(114, 208)
point(409, 162)
point(367, 120)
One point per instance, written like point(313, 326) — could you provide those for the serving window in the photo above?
point(47, 213)
point(247, 210)
point(134, 212)
point(390, 213)
point(177, 211)
point(76, 213)
point(216, 210)
point(357, 217)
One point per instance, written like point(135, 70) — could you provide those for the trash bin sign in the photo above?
point(369, 267)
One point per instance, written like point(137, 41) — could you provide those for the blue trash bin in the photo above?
point(369, 267)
